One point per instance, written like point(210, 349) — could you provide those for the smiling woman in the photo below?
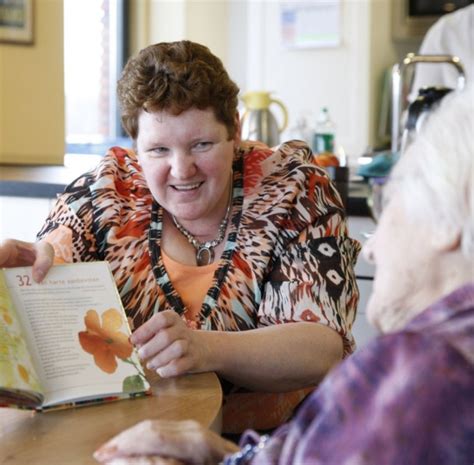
point(225, 252)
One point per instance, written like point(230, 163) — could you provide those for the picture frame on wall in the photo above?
point(16, 21)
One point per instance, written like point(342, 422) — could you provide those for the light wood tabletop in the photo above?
point(70, 436)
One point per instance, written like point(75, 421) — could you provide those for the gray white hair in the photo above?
point(435, 175)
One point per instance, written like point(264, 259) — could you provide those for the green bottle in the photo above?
point(324, 136)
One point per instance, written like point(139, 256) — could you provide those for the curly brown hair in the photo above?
point(175, 76)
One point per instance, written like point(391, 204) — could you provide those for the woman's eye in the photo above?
point(159, 150)
point(203, 145)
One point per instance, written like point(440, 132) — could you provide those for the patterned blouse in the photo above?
point(406, 398)
point(287, 257)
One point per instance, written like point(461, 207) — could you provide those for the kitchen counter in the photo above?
point(48, 181)
point(43, 181)
point(35, 181)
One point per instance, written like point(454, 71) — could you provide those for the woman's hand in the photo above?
point(169, 347)
point(173, 442)
point(18, 253)
point(145, 460)
point(257, 359)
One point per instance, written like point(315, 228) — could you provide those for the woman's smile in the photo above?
point(186, 193)
point(187, 187)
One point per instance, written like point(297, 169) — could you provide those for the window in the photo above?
point(95, 38)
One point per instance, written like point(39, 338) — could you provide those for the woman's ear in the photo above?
point(446, 238)
point(238, 131)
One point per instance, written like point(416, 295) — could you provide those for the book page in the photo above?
point(16, 366)
point(77, 331)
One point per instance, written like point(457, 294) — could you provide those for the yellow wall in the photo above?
point(153, 21)
point(209, 12)
point(139, 24)
point(32, 92)
point(2, 130)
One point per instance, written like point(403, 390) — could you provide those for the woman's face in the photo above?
point(187, 161)
point(403, 253)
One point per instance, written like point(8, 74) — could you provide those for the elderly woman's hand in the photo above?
point(169, 347)
point(149, 460)
point(172, 442)
point(18, 253)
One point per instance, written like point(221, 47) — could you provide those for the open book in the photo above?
point(64, 341)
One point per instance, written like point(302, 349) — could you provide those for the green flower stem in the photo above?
point(131, 362)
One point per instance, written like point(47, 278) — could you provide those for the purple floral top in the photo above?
point(406, 398)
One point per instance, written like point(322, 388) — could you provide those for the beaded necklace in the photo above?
point(205, 250)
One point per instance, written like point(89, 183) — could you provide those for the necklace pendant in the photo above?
point(204, 255)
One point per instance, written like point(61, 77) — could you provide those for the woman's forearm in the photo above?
point(273, 359)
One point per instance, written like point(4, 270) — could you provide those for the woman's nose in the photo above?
point(182, 166)
point(368, 250)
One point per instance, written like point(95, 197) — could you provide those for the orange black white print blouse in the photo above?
point(287, 257)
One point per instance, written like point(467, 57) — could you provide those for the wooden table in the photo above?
point(71, 436)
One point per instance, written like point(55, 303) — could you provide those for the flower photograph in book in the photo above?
point(106, 343)
point(16, 366)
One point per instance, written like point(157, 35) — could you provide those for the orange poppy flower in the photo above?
point(105, 342)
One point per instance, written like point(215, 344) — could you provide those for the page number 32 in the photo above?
point(23, 280)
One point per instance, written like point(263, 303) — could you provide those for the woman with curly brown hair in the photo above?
point(229, 256)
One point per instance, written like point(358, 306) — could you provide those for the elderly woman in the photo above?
point(225, 253)
point(407, 398)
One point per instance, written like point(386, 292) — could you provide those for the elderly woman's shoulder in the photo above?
point(403, 364)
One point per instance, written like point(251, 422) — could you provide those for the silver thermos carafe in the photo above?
point(258, 122)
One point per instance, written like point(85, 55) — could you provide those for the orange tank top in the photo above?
point(191, 282)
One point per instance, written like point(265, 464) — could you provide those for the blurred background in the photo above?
point(57, 94)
